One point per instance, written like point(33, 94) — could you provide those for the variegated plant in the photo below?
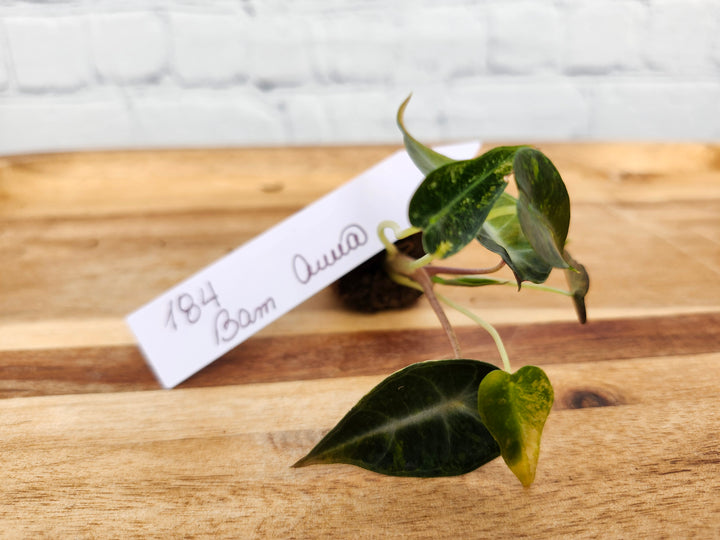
point(448, 417)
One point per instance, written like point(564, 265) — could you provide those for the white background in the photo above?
point(84, 74)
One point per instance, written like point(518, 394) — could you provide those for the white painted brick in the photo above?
point(516, 109)
point(209, 50)
point(50, 124)
point(49, 53)
point(4, 75)
point(603, 36)
point(129, 47)
point(194, 73)
point(439, 44)
point(306, 118)
point(279, 51)
point(205, 118)
point(356, 48)
point(524, 37)
point(681, 34)
point(656, 110)
point(362, 115)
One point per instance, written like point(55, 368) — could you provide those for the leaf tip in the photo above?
point(304, 462)
point(401, 112)
point(526, 477)
point(579, 281)
point(580, 309)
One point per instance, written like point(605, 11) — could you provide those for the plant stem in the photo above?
point(417, 264)
point(402, 279)
point(484, 324)
point(397, 231)
point(420, 276)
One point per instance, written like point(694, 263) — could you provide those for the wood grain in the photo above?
point(77, 251)
point(91, 448)
point(121, 368)
point(215, 462)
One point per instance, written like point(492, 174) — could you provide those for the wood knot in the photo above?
point(272, 187)
point(584, 398)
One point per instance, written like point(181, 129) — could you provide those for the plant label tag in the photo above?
point(197, 321)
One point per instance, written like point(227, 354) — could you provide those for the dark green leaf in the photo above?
point(501, 233)
point(514, 408)
point(578, 281)
point(543, 205)
point(453, 201)
point(420, 421)
point(425, 159)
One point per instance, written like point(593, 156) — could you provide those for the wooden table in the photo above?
point(92, 447)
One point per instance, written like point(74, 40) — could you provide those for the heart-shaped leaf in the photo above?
point(420, 421)
point(578, 281)
point(514, 408)
point(453, 201)
point(543, 206)
point(501, 233)
point(424, 158)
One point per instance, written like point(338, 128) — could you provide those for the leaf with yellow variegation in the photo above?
point(514, 407)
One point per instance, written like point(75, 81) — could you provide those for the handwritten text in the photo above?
point(227, 327)
point(351, 238)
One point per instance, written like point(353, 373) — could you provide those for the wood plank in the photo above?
point(346, 354)
point(92, 448)
point(82, 184)
point(104, 268)
point(72, 250)
point(117, 182)
point(215, 462)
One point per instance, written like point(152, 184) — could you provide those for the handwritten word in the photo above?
point(226, 328)
point(187, 309)
point(351, 237)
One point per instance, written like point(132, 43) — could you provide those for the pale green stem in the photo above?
point(397, 231)
point(389, 246)
point(422, 261)
point(484, 324)
point(404, 280)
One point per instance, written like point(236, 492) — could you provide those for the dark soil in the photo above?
point(369, 289)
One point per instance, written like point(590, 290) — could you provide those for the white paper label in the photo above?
point(194, 323)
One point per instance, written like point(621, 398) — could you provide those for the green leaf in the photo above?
point(420, 421)
point(578, 281)
point(470, 281)
point(514, 408)
point(453, 201)
point(425, 159)
point(501, 233)
point(543, 206)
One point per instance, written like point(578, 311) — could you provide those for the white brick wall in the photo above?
point(604, 37)
point(129, 48)
point(49, 53)
point(525, 38)
point(78, 74)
